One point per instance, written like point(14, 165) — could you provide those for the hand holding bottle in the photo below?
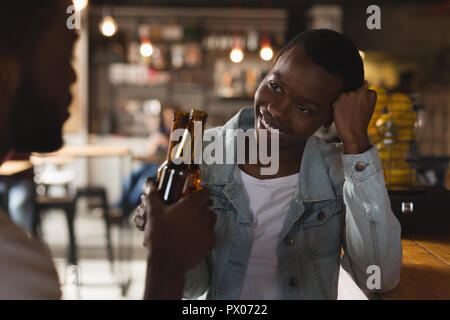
point(180, 234)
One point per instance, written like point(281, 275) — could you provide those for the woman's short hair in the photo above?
point(333, 51)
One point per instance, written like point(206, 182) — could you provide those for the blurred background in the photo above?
point(139, 60)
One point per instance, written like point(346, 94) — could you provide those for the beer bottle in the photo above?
point(196, 117)
point(179, 178)
point(180, 120)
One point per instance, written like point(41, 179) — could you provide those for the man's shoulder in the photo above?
point(26, 269)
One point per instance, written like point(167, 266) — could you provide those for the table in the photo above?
point(67, 153)
point(13, 167)
point(58, 161)
point(88, 151)
point(425, 272)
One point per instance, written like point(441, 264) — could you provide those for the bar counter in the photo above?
point(425, 272)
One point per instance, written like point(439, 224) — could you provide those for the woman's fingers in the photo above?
point(140, 217)
point(139, 222)
point(150, 185)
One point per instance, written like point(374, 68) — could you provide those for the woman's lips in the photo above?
point(266, 121)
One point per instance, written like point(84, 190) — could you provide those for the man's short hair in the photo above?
point(333, 51)
point(22, 22)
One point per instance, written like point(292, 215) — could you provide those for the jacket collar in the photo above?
point(314, 182)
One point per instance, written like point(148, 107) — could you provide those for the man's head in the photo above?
point(309, 74)
point(35, 73)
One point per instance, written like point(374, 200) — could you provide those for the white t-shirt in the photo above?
point(269, 201)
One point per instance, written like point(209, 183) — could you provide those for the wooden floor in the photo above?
point(425, 273)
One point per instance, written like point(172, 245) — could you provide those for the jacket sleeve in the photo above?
point(372, 244)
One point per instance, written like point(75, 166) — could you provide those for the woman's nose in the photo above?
point(278, 110)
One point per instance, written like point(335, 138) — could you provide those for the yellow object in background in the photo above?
point(393, 151)
point(384, 126)
point(397, 120)
point(399, 102)
point(382, 101)
point(395, 129)
point(397, 173)
point(382, 98)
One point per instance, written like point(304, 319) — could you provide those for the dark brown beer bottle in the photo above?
point(198, 118)
point(179, 175)
point(180, 120)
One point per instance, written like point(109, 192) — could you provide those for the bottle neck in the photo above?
point(180, 121)
point(196, 128)
point(193, 137)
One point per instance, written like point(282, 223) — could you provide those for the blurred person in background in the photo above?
point(157, 145)
point(20, 204)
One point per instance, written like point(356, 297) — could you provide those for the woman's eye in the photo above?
point(303, 108)
point(275, 87)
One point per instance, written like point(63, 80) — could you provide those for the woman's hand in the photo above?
point(352, 113)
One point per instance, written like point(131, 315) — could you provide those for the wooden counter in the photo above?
point(88, 151)
point(425, 272)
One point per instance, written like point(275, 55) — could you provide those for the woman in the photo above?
point(281, 236)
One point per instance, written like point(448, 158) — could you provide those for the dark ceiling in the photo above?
point(257, 3)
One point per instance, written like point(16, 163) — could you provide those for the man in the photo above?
point(280, 236)
point(35, 78)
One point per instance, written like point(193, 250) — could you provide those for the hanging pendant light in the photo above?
point(236, 54)
point(80, 4)
point(266, 52)
point(108, 26)
point(146, 48)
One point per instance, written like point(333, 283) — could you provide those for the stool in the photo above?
point(100, 193)
point(66, 203)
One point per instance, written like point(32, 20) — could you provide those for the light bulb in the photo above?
point(236, 55)
point(108, 26)
point(266, 53)
point(146, 49)
point(80, 4)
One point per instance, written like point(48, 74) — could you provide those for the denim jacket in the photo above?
point(338, 204)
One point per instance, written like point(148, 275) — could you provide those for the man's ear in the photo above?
point(9, 77)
